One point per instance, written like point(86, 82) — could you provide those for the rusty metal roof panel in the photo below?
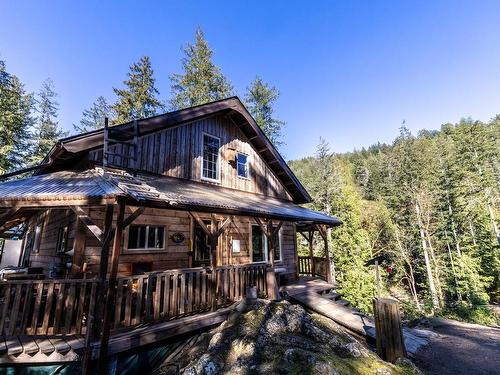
point(63, 185)
point(185, 194)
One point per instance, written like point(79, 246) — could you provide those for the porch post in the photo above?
point(324, 234)
point(110, 297)
point(214, 239)
point(94, 323)
point(311, 254)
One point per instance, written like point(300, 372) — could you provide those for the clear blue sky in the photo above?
point(348, 71)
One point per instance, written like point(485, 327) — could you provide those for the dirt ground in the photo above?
point(460, 349)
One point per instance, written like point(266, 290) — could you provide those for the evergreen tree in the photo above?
point(139, 98)
point(46, 131)
point(93, 118)
point(15, 120)
point(201, 81)
point(260, 99)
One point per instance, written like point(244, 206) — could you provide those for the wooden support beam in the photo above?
point(224, 225)
point(110, 297)
point(94, 320)
point(200, 222)
point(323, 231)
point(89, 224)
point(134, 215)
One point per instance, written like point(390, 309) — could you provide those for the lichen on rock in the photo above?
point(282, 338)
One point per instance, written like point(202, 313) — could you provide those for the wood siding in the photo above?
point(177, 152)
point(51, 221)
point(87, 249)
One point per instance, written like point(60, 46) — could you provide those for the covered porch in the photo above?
point(97, 295)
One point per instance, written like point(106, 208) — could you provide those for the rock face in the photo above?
point(281, 338)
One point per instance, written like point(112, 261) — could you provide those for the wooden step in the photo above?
point(332, 295)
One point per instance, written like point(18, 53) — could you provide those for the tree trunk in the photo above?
point(430, 278)
point(409, 275)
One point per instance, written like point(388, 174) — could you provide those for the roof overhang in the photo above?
point(93, 187)
point(68, 149)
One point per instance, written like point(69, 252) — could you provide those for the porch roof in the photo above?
point(93, 186)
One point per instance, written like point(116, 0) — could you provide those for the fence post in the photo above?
point(389, 333)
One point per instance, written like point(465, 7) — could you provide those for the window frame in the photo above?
point(126, 249)
point(266, 252)
point(247, 177)
point(217, 166)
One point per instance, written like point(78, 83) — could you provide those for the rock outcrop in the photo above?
point(281, 338)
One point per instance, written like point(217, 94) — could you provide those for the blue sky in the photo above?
point(348, 71)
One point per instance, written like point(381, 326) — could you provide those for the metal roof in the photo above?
point(167, 192)
point(58, 186)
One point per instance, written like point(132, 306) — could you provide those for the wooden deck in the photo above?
point(46, 321)
point(24, 349)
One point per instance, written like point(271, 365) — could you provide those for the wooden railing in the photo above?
point(175, 293)
point(63, 306)
point(319, 265)
point(46, 307)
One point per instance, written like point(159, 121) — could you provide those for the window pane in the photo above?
point(210, 156)
point(276, 246)
point(159, 238)
point(257, 244)
point(151, 237)
point(141, 243)
point(242, 161)
point(133, 237)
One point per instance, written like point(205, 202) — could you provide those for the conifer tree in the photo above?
point(260, 99)
point(201, 80)
point(93, 118)
point(139, 98)
point(46, 130)
point(15, 120)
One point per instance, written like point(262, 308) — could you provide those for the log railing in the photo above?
point(46, 307)
point(63, 306)
point(319, 265)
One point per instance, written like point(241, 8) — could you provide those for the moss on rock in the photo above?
point(281, 338)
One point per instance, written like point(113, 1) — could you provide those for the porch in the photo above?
point(107, 301)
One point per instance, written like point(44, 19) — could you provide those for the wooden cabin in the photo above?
point(176, 212)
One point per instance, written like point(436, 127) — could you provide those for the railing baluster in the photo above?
point(139, 299)
point(59, 308)
point(70, 302)
point(128, 303)
point(157, 297)
point(15, 310)
point(36, 309)
point(118, 303)
point(5, 308)
point(48, 308)
point(81, 305)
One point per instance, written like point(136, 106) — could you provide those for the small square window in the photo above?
point(146, 237)
point(242, 165)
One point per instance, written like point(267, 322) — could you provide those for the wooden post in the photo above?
point(270, 243)
point(272, 285)
point(389, 333)
point(324, 234)
point(311, 253)
point(110, 297)
point(94, 323)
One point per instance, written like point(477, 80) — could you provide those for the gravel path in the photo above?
point(460, 349)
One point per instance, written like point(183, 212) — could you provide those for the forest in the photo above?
point(429, 204)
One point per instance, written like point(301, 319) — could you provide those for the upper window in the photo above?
point(242, 165)
point(211, 147)
point(146, 237)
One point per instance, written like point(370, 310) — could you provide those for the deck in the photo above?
point(46, 321)
point(48, 349)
